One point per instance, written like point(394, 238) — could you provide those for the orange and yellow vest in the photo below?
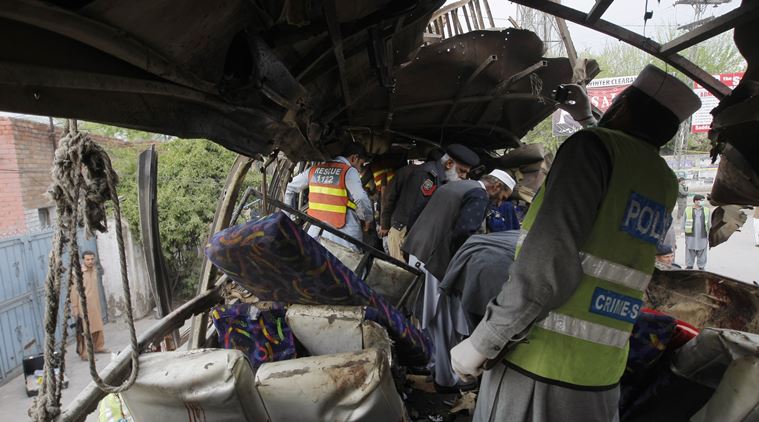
point(328, 198)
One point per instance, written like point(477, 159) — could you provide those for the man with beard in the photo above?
point(454, 213)
point(411, 188)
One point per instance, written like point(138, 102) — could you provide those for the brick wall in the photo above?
point(11, 211)
point(26, 158)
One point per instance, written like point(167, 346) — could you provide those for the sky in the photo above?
point(626, 13)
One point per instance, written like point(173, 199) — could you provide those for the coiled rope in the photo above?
point(83, 181)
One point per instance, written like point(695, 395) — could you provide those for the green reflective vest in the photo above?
point(584, 343)
point(689, 220)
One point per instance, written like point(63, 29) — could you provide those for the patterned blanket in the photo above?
point(277, 261)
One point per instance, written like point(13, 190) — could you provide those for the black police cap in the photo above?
point(462, 154)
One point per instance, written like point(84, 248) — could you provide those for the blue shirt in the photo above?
point(502, 218)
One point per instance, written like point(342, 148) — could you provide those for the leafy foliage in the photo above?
point(191, 176)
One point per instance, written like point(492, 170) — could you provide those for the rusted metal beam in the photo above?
point(468, 100)
point(104, 38)
point(116, 371)
point(481, 68)
point(648, 45)
point(504, 85)
point(598, 10)
point(221, 221)
point(745, 13)
point(330, 14)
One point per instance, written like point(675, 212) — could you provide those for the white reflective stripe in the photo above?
point(522, 236)
point(613, 272)
point(585, 330)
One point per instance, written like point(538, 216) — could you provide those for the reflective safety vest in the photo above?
point(689, 220)
point(584, 342)
point(328, 198)
point(386, 173)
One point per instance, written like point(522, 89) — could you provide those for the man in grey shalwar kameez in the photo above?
point(696, 228)
point(549, 267)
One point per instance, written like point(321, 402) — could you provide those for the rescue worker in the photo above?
point(336, 195)
point(696, 226)
point(411, 189)
point(587, 255)
point(455, 212)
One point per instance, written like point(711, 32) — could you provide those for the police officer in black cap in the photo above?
point(410, 190)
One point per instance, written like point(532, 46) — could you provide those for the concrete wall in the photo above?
point(108, 250)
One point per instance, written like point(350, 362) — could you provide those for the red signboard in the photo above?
point(702, 119)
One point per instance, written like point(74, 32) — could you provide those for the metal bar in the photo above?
point(481, 68)
point(456, 23)
point(475, 99)
point(598, 10)
point(448, 8)
point(474, 16)
point(103, 37)
point(116, 371)
point(324, 226)
point(448, 25)
point(504, 85)
point(330, 14)
point(466, 18)
point(221, 219)
point(437, 26)
point(746, 12)
point(363, 265)
point(480, 20)
point(243, 200)
point(408, 291)
point(490, 14)
point(648, 45)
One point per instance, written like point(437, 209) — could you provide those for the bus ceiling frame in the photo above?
point(667, 52)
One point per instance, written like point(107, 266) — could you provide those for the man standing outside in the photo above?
point(682, 195)
point(587, 255)
point(696, 227)
point(756, 226)
point(455, 212)
point(408, 193)
point(336, 195)
point(94, 314)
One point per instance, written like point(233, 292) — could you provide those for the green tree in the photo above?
point(191, 176)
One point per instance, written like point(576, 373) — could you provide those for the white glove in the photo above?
point(466, 361)
point(577, 103)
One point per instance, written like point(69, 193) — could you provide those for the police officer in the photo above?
point(336, 195)
point(408, 193)
point(585, 260)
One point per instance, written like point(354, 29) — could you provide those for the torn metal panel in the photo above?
point(445, 91)
point(726, 220)
point(705, 299)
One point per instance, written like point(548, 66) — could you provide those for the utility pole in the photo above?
point(699, 8)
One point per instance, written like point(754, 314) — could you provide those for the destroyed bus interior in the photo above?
point(285, 327)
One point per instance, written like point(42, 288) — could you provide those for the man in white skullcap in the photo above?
point(455, 212)
point(585, 256)
point(502, 216)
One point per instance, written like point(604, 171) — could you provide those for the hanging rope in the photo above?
point(83, 181)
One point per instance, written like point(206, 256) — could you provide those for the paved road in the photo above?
point(13, 401)
point(737, 258)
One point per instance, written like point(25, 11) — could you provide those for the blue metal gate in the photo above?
point(23, 268)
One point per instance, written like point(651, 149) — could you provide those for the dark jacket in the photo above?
point(408, 193)
point(453, 214)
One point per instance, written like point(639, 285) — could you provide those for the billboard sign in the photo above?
point(702, 118)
